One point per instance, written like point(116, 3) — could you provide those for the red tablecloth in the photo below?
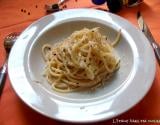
point(14, 112)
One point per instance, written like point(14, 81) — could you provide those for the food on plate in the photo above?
point(82, 61)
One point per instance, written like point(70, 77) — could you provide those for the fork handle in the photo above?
point(3, 72)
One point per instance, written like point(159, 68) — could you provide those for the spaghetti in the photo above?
point(82, 61)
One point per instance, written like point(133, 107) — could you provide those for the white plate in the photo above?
point(125, 89)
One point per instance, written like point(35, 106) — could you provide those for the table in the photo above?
point(15, 16)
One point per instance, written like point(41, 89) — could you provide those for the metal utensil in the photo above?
point(143, 26)
point(55, 7)
point(8, 43)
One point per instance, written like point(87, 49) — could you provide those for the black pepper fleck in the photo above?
point(65, 6)
point(21, 10)
point(24, 11)
point(100, 62)
point(36, 6)
point(29, 13)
